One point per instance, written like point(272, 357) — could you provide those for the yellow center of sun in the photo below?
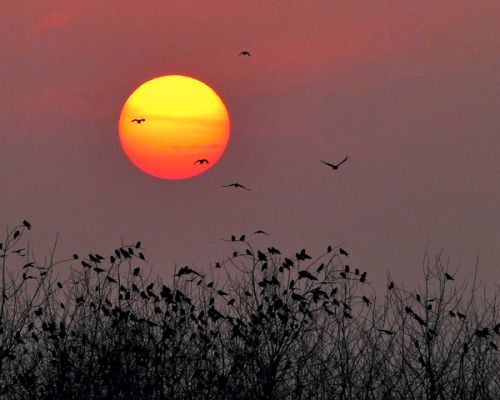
point(174, 127)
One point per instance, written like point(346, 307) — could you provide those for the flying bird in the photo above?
point(138, 120)
point(244, 53)
point(236, 185)
point(335, 166)
point(260, 232)
point(201, 161)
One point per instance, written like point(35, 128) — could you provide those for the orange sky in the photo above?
point(409, 90)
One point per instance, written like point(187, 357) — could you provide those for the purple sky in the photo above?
point(410, 90)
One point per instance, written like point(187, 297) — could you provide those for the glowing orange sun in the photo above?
point(174, 127)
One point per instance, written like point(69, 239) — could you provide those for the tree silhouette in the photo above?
point(260, 324)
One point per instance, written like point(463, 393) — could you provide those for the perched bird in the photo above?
point(347, 315)
point(236, 185)
point(26, 224)
point(306, 274)
point(186, 271)
point(343, 252)
point(448, 277)
point(138, 120)
point(302, 256)
point(244, 53)
point(273, 251)
point(297, 297)
point(362, 279)
point(460, 315)
point(391, 285)
point(482, 333)
point(335, 166)
point(366, 300)
point(201, 161)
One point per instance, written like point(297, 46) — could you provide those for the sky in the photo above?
point(409, 90)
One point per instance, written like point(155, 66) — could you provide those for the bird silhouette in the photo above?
point(391, 285)
point(306, 274)
point(335, 166)
point(482, 333)
point(302, 256)
point(347, 315)
point(448, 277)
point(201, 161)
point(260, 232)
point(244, 53)
point(343, 252)
point(273, 251)
point(138, 120)
point(185, 271)
point(26, 224)
point(366, 300)
point(236, 185)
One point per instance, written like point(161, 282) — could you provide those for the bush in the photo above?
point(263, 326)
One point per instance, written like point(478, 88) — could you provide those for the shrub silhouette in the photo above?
point(258, 325)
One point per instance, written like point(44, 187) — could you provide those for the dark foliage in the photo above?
point(260, 325)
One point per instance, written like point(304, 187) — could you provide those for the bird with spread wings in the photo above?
point(138, 120)
point(335, 166)
point(236, 185)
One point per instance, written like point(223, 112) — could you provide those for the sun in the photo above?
point(174, 127)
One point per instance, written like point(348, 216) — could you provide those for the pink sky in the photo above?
point(409, 90)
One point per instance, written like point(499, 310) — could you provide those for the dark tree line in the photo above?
point(258, 325)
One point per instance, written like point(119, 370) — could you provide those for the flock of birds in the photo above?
point(238, 185)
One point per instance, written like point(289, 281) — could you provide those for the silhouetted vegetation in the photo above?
point(258, 325)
